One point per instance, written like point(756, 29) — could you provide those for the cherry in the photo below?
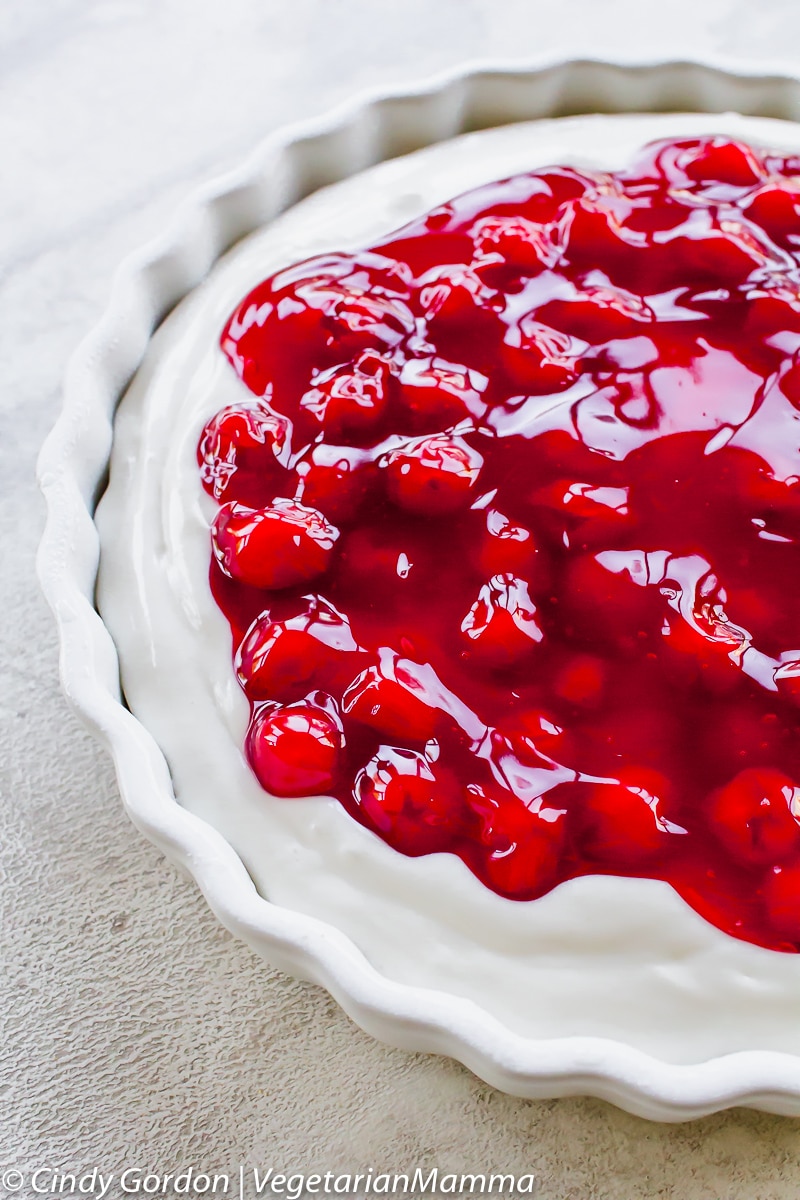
point(789, 382)
point(396, 698)
point(604, 607)
point(438, 394)
point(432, 475)
point(691, 659)
point(719, 160)
point(274, 547)
point(524, 245)
point(359, 298)
point(453, 295)
point(501, 627)
point(336, 480)
point(317, 313)
point(281, 659)
point(456, 299)
point(595, 230)
point(519, 849)
point(757, 816)
point(781, 894)
point(416, 807)
point(787, 678)
point(295, 751)
point(598, 313)
point(582, 680)
point(537, 358)
point(509, 548)
point(705, 249)
point(775, 207)
point(692, 163)
point(617, 823)
point(590, 516)
point(351, 400)
point(435, 247)
point(723, 250)
point(532, 735)
point(237, 439)
point(547, 191)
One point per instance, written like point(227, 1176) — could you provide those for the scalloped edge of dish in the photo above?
point(72, 471)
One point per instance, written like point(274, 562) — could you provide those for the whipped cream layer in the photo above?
point(603, 956)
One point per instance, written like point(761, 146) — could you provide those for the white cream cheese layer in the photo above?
point(602, 956)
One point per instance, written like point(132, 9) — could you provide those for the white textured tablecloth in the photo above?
point(136, 1034)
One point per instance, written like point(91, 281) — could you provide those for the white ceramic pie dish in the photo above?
point(72, 472)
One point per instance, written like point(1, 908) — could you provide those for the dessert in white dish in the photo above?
point(599, 955)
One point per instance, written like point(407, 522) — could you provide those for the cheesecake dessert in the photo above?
point(451, 548)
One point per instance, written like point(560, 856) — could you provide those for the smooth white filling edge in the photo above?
point(619, 958)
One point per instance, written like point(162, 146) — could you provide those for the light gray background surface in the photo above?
point(135, 1031)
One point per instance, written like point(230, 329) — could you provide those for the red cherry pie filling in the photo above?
point(508, 534)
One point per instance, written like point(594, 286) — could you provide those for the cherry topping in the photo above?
point(556, 423)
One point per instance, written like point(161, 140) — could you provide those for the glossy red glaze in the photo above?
point(537, 455)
